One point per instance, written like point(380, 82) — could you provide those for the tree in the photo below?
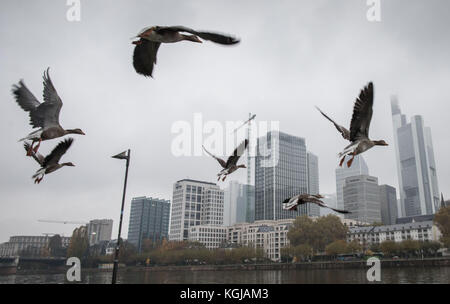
point(430, 248)
point(442, 220)
point(389, 248)
point(79, 243)
point(317, 234)
point(336, 247)
point(55, 245)
point(353, 247)
point(410, 247)
point(302, 252)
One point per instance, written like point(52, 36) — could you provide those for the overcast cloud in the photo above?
point(293, 55)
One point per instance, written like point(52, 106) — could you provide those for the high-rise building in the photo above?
point(235, 203)
point(331, 201)
point(362, 198)
point(388, 204)
point(99, 230)
point(359, 167)
point(195, 203)
point(416, 168)
point(313, 182)
point(280, 172)
point(149, 219)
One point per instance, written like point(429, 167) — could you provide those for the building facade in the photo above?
point(99, 230)
point(419, 231)
point(194, 203)
point(210, 236)
point(362, 198)
point(28, 245)
point(388, 205)
point(416, 167)
point(313, 182)
point(149, 219)
point(280, 172)
point(236, 203)
point(359, 167)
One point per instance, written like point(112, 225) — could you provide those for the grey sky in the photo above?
point(293, 55)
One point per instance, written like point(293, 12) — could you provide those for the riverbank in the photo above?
point(385, 263)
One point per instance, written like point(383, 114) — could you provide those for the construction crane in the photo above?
point(63, 222)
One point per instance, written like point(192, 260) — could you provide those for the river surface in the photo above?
point(410, 275)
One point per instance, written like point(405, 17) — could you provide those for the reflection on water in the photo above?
point(329, 276)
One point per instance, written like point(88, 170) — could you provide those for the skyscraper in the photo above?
point(235, 203)
point(149, 219)
point(388, 201)
point(280, 172)
point(362, 198)
point(359, 167)
point(416, 168)
point(313, 182)
point(194, 203)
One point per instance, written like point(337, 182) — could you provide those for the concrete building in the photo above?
point(280, 172)
point(194, 203)
point(420, 231)
point(388, 205)
point(149, 219)
point(415, 218)
point(99, 230)
point(235, 203)
point(28, 245)
point(416, 168)
point(210, 236)
point(359, 167)
point(362, 198)
point(269, 235)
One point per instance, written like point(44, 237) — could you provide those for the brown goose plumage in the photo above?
point(292, 203)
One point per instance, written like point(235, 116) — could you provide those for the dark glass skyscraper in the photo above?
point(280, 172)
point(149, 219)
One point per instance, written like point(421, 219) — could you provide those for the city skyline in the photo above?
point(400, 55)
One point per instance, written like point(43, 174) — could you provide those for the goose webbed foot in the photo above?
point(223, 179)
point(30, 150)
point(37, 147)
point(342, 161)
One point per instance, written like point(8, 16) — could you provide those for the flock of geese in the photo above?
point(45, 116)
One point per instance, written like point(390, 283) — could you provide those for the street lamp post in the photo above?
point(123, 155)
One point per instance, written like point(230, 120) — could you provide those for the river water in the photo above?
point(410, 275)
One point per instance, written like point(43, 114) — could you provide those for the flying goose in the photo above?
point(359, 126)
point(150, 38)
point(230, 165)
point(42, 115)
point(292, 202)
point(50, 163)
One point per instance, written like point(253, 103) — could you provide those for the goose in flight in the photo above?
point(292, 202)
point(50, 163)
point(358, 134)
point(150, 38)
point(230, 165)
point(42, 115)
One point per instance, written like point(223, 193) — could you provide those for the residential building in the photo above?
point(420, 231)
point(210, 236)
point(416, 167)
point(195, 203)
point(388, 204)
point(362, 198)
point(28, 245)
point(149, 219)
point(99, 230)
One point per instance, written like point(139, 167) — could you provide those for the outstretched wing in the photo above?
point(290, 203)
point(237, 153)
point(344, 132)
point(322, 204)
point(47, 113)
point(362, 114)
point(214, 37)
point(26, 100)
point(144, 56)
point(56, 154)
point(37, 156)
point(221, 161)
